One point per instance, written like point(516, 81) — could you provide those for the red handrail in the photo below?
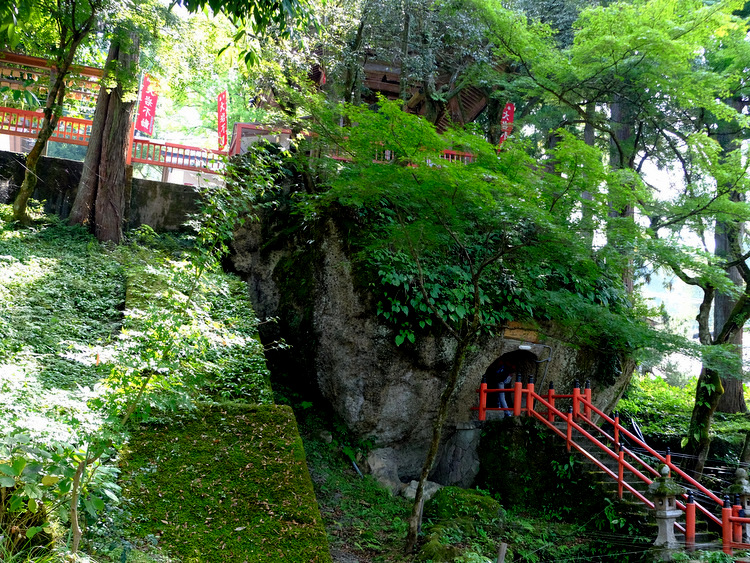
point(177, 156)
point(72, 130)
point(24, 123)
point(583, 402)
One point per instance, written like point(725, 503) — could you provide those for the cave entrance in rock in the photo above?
point(517, 362)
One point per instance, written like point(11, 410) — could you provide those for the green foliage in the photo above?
point(466, 247)
point(239, 479)
point(282, 18)
point(659, 408)
point(71, 361)
point(463, 517)
point(454, 502)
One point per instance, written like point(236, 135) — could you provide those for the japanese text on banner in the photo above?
point(222, 110)
point(147, 108)
point(506, 122)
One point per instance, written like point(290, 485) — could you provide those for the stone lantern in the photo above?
point(664, 493)
point(741, 488)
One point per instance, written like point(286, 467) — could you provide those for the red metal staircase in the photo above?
point(581, 429)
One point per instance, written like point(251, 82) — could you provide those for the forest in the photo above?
point(624, 164)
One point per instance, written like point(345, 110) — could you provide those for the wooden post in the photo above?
point(620, 470)
point(129, 154)
point(690, 521)
point(726, 527)
point(736, 526)
point(501, 552)
point(668, 456)
point(617, 428)
point(569, 439)
point(551, 401)
point(587, 404)
point(530, 396)
point(576, 399)
point(483, 399)
point(517, 391)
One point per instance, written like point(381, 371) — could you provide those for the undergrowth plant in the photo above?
point(75, 370)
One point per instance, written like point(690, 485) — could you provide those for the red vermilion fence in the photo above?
point(177, 156)
point(579, 419)
point(76, 131)
point(71, 130)
point(23, 123)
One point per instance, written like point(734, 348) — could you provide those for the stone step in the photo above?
point(703, 540)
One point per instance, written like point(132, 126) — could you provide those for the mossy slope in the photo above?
point(229, 484)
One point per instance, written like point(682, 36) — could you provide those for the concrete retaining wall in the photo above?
point(160, 205)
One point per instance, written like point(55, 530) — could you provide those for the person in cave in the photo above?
point(505, 379)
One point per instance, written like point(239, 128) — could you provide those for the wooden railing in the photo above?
point(383, 155)
point(579, 418)
point(172, 155)
point(76, 131)
point(24, 123)
point(71, 130)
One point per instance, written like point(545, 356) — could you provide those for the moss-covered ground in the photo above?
point(199, 478)
point(227, 483)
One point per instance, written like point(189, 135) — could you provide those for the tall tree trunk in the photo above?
point(622, 156)
point(82, 212)
point(403, 86)
point(352, 67)
point(69, 41)
point(101, 196)
point(728, 236)
point(587, 211)
point(437, 433)
point(110, 198)
point(733, 399)
point(709, 389)
point(52, 112)
point(707, 395)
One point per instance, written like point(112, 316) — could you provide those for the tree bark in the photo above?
point(728, 236)
point(69, 41)
point(82, 212)
point(437, 433)
point(622, 156)
point(403, 86)
point(101, 197)
point(707, 395)
point(110, 198)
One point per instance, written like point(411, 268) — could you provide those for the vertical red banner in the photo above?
point(506, 122)
point(222, 110)
point(147, 108)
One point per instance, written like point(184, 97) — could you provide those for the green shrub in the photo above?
point(450, 503)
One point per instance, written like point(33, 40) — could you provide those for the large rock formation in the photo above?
point(383, 392)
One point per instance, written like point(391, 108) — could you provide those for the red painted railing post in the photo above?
point(129, 154)
point(736, 526)
point(517, 392)
point(569, 437)
point(576, 399)
point(587, 396)
point(690, 521)
point(483, 398)
point(616, 416)
point(726, 527)
point(620, 470)
point(530, 396)
point(551, 401)
point(668, 457)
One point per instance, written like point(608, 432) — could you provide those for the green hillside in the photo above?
point(205, 467)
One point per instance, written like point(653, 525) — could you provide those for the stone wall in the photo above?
point(386, 393)
point(160, 205)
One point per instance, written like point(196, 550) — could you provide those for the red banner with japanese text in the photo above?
point(222, 110)
point(506, 122)
point(147, 108)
